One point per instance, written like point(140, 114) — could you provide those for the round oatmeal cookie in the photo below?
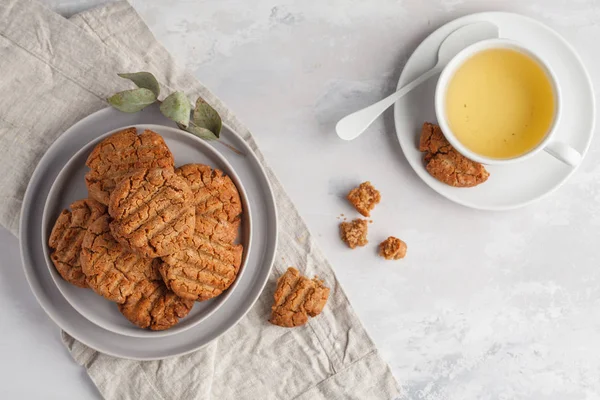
point(153, 306)
point(216, 200)
point(120, 154)
point(152, 212)
point(112, 270)
point(202, 270)
point(67, 236)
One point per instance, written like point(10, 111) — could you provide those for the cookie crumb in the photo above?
point(296, 298)
point(354, 233)
point(364, 198)
point(392, 248)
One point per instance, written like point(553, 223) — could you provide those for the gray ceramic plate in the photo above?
point(249, 285)
point(69, 186)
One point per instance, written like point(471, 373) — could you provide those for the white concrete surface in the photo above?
point(485, 306)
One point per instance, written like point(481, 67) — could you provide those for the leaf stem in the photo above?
point(231, 147)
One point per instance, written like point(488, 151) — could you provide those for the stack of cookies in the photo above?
point(151, 237)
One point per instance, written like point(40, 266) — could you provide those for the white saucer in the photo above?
point(515, 185)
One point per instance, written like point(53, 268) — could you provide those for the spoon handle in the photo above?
point(351, 126)
point(564, 153)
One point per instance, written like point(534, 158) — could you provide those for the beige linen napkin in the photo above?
point(56, 71)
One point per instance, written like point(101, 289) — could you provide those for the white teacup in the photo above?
point(559, 150)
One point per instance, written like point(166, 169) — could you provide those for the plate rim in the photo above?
point(274, 224)
point(59, 282)
point(421, 172)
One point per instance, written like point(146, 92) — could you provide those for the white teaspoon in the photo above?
point(351, 126)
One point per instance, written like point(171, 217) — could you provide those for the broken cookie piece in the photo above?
point(433, 140)
point(354, 233)
point(456, 170)
point(296, 298)
point(392, 248)
point(447, 165)
point(364, 198)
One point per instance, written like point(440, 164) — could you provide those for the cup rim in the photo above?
point(449, 71)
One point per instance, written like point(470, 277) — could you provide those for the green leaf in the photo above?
point(177, 107)
point(202, 133)
point(133, 100)
point(143, 80)
point(207, 117)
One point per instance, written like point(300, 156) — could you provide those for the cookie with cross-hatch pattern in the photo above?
point(203, 269)
point(130, 280)
point(216, 200)
point(152, 305)
point(152, 212)
point(296, 298)
point(120, 154)
point(67, 236)
point(113, 270)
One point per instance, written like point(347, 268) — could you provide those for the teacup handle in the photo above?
point(564, 153)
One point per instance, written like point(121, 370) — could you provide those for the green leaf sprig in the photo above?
point(203, 122)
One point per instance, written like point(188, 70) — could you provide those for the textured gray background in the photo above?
point(486, 306)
